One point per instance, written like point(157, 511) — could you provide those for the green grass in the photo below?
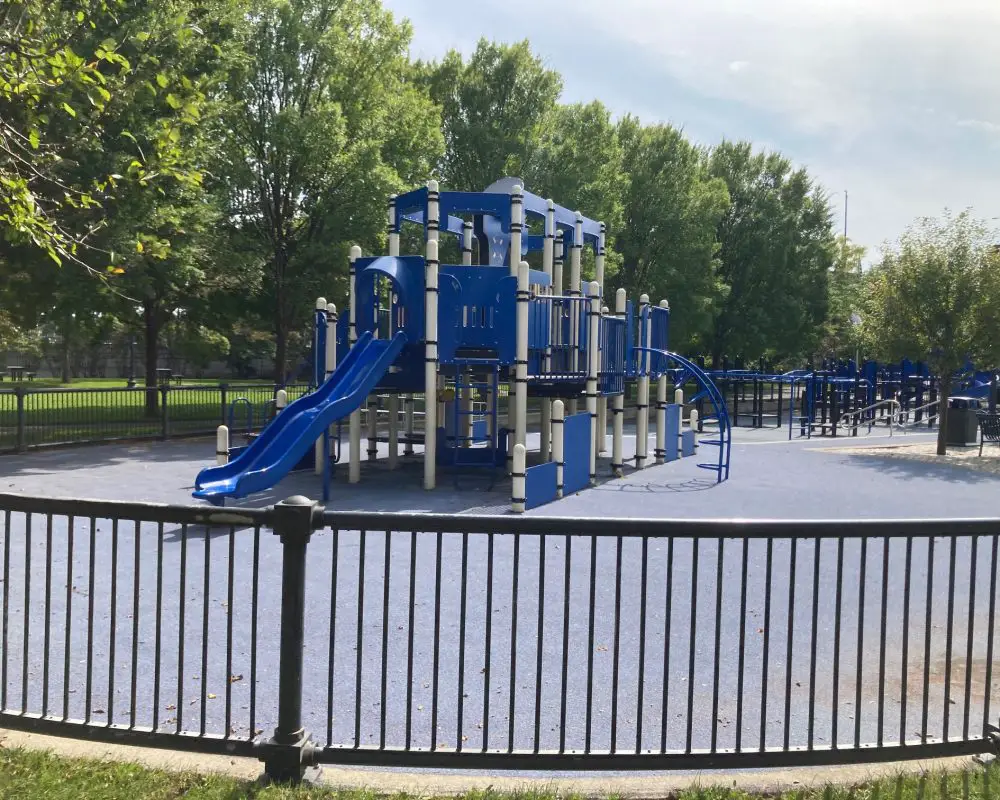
point(43, 776)
point(111, 411)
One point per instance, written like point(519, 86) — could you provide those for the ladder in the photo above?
point(477, 376)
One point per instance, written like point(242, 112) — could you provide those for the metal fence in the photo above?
point(33, 418)
point(497, 642)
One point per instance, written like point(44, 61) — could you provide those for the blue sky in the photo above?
point(896, 101)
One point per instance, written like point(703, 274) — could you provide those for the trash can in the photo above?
point(963, 420)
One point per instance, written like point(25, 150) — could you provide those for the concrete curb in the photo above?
point(437, 784)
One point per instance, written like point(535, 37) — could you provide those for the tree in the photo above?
point(326, 121)
point(492, 109)
point(66, 68)
point(672, 210)
point(776, 249)
point(576, 160)
point(936, 293)
point(842, 336)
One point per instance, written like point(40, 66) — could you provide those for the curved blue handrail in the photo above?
point(689, 369)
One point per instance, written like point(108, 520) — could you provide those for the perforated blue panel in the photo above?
point(576, 453)
point(670, 442)
point(540, 485)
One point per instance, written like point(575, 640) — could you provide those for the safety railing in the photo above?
point(36, 417)
point(498, 642)
point(903, 416)
point(853, 420)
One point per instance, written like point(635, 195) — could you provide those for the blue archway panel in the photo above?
point(407, 276)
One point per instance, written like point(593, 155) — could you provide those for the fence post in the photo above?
point(289, 751)
point(164, 414)
point(19, 395)
point(224, 397)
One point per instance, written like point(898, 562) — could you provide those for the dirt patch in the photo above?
point(966, 457)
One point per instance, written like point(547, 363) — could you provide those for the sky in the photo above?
point(895, 101)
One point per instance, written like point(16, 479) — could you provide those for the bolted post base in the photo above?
point(288, 759)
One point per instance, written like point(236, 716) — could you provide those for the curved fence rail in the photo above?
point(525, 643)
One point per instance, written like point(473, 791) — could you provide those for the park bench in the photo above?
point(989, 429)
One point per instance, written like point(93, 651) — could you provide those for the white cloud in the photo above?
point(894, 100)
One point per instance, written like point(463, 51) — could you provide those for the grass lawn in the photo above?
point(42, 776)
point(108, 410)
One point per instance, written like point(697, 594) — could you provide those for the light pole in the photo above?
point(131, 361)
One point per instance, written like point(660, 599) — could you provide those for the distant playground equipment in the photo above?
point(842, 397)
point(459, 338)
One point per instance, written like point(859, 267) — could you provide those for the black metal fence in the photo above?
point(35, 417)
point(497, 642)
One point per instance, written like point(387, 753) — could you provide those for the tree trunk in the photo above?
point(942, 439)
point(64, 355)
point(280, 352)
point(150, 317)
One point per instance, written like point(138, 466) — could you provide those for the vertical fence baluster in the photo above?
point(409, 639)
point(136, 574)
point(332, 651)
point(741, 665)
point(883, 624)
point(765, 662)
point(255, 594)
point(229, 630)
point(721, 544)
point(386, 560)
point(990, 625)
point(927, 639)
point(182, 593)
point(969, 631)
point(47, 635)
point(112, 665)
point(788, 651)
point(904, 671)
point(487, 641)
point(859, 653)
point(206, 593)
point(589, 710)
point(693, 638)
point(616, 654)
point(814, 639)
point(667, 616)
point(538, 646)
point(362, 547)
point(512, 681)
point(68, 630)
point(949, 631)
point(564, 674)
point(26, 624)
point(641, 676)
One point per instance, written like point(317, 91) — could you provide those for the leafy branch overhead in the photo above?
point(70, 72)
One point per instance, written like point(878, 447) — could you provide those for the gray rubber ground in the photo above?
point(770, 478)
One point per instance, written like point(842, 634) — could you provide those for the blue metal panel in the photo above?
point(673, 426)
point(407, 276)
point(576, 453)
point(481, 315)
point(491, 203)
point(687, 443)
point(538, 278)
point(540, 485)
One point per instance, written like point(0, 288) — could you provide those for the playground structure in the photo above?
point(461, 337)
point(841, 397)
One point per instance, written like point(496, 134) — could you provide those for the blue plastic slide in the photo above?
point(292, 433)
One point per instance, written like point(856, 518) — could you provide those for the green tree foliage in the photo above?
point(492, 111)
point(672, 210)
point(842, 331)
point(937, 293)
point(576, 160)
point(325, 122)
point(68, 71)
point(776, 249)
